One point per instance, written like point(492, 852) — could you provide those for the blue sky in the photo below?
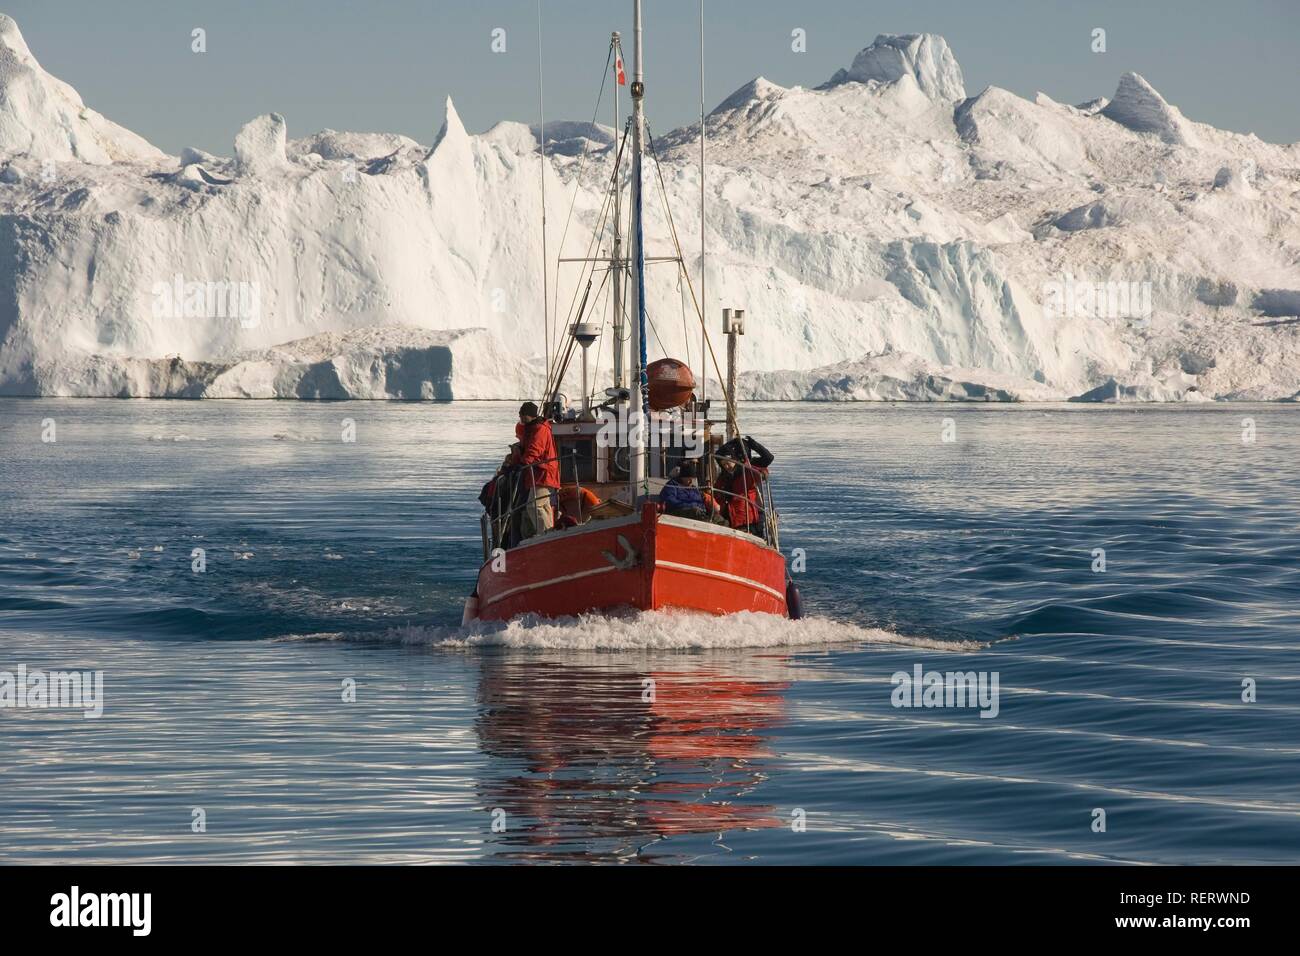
point(386, 65)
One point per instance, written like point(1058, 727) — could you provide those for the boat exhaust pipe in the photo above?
point(733, 324)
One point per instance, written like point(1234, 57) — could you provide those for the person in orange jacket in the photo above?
point(575, 504)
point(540, 461)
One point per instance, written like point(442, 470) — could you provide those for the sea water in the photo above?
point(1036, 634)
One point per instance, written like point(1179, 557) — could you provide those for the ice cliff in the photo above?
point(890, 237)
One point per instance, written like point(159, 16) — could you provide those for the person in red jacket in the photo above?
point(541, 466)
point(741, 476)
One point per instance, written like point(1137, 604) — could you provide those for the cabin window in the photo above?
point(579, 453)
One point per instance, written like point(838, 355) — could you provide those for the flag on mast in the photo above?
point(618, 70)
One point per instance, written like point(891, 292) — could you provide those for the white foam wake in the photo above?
point(651, 630)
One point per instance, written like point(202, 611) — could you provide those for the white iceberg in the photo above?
point(889, 237)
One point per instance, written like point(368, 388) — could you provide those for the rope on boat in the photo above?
point(577, 185)
point(732, 417)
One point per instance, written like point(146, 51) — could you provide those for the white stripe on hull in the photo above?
point(577, 575)
point(720, 575)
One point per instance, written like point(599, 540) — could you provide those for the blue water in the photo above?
point(330, 561)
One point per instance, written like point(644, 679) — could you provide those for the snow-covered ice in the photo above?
point(43, 117)
point(924, 57)
point(890, 237)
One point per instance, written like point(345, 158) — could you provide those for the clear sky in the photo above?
point(386, 65)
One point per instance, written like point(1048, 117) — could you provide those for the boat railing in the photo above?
point(765, 506)
point(771, 517)
point(497, 523)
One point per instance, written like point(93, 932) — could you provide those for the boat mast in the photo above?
point(638, 413)
point(704, 301)
point(616, 263)
point(541, 139)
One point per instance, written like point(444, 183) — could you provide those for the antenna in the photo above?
point(616, 263)
point(541, 138)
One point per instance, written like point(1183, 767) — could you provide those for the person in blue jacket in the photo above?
point(683, 498)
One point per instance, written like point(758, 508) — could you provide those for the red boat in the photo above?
point(646, 561)
point(629, 546)
point(613, 556)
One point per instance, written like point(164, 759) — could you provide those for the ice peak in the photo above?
point(926, 57)
point(44, 118)
point(12, 38)
point(260, 144)
point(759, 88)
point(451, 125)
point(1138, 106)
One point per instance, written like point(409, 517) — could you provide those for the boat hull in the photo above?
point(646, 562)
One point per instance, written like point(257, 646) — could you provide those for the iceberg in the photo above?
point(890, 237)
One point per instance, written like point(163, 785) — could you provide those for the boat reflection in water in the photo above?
point(600, 758)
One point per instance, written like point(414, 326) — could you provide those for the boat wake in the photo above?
point(647, 631)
